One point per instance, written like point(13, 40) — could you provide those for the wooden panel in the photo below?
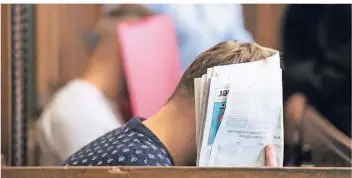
point(269, 25)
point(5, 81)
point(250, 18)
point(174, 172)
point(76, 21)
point(47, 50)
point(264, 21)
point(61, 54)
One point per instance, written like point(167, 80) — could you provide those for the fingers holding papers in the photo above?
point(270, 156)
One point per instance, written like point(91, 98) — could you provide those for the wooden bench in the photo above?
point(172, 172)
point(306, 127)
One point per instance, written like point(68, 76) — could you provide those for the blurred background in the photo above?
point(46, 46)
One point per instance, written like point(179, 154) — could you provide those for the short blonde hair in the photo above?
point(223, 53)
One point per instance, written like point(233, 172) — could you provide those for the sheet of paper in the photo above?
point(221, 146)
point(225, 72)
point(252, 120)
point(206, 92)
point(201, 120)
point(201, 100)
point(215, 110)
point(197, 82)
point(151, 63)
point(205, 99)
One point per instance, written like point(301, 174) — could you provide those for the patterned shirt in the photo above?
point(131, 145)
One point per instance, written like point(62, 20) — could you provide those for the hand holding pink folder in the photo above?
point(151, 63)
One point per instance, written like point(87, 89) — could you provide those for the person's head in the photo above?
point(105, 68)
point(127, 11)
point(223, 53)
point(177, 116)
point(121, 13)
point(111, 16)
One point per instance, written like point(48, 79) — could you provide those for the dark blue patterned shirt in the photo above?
point(131, 145)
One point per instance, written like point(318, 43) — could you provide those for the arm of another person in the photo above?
point(82, 110)
point(78, 114)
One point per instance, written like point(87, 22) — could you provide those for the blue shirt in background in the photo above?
point(199, 27)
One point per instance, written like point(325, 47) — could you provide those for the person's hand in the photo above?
point(270, 156)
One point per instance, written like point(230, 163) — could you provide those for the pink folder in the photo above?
point(151, 62)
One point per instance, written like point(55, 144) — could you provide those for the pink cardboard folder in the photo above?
point(151, 63)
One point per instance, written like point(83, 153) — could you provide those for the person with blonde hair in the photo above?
point(167, 138)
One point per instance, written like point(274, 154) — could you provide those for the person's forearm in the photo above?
point(104, 68)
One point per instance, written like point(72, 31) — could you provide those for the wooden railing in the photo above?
point(172, 172)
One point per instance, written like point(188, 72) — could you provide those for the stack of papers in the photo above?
point(239, 111)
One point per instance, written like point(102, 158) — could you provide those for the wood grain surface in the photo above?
point(172, 172)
